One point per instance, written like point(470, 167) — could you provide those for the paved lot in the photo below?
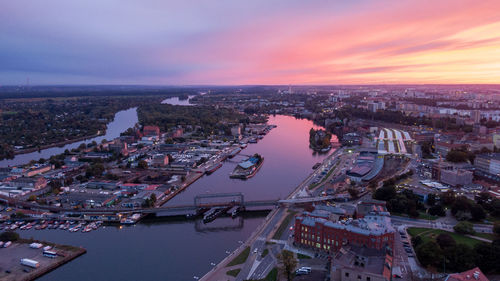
point(313, 276)
point(10, 260)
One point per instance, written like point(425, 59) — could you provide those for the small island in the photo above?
point(248, 168)
point(319, 140)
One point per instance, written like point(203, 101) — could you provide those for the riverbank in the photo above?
point(193, 177)
point(264, 232)
point(122, 120)
point(211, 242)
point(58, 144)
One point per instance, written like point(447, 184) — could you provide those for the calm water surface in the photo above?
point(180, 250)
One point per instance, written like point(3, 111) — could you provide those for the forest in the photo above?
point(34, 123)
point(208, 118)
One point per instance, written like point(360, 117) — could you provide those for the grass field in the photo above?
point(429, 234)
point(241, 258)
point(283, 226)
point(301, 256)
point(489, 236)
point(264, 253)
point(233, 272)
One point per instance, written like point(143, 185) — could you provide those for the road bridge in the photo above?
point(306, 200)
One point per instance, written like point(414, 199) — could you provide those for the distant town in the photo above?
point(402, 183)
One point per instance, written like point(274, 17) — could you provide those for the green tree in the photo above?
point(416, 241)
point(353, 192)
point(477, 212)
point(385, 193)
point(464, 227)
point(460, 258)
point(431, 199)
point(437, 210)
point(458, 156)
point(289, 263)
point(445, 241)
point(488, 256)
point(430, 254)
point(142, 164)
point(9, 236)
point(496, 228)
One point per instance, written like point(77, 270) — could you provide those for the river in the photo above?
point(123, 120)
point(180, 250)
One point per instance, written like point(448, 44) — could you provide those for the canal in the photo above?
point(181, 250)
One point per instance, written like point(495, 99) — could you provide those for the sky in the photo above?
point(236, 42)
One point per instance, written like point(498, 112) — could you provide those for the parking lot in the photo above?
point(315, 275)
point(10, 261)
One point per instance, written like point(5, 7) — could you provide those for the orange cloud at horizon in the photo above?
point(410, 42)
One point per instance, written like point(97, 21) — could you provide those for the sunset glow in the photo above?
point(249, 42)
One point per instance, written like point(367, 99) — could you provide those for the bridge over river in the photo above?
point(203, 201)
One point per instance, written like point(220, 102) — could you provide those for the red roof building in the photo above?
point(151, 131)
point(472, 275)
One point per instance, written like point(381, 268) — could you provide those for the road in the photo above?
point(482, 228)
point(255, 265)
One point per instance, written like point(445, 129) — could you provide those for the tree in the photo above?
point(437, 210)
point(460, 258)
point(289, 263)
point(94, 170)
point(9, 236)
point(430, 254)
point(416, 241)
point(461, 204)
point(445, 241)
point(142, 165)
point(32, 197)
point(457, 156)
point(431, 199)
point(448, 198)
point(488, 256)
point(477, 212)
point(496, 228)
point(464, 227)
point(385, 193)
point(353, 192)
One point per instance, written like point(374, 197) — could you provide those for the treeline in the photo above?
point(209, 119)
point(446, 123)
point(11, 92)
point(445, 253)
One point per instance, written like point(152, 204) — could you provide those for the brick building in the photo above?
point(151, 131)
point(372, 231)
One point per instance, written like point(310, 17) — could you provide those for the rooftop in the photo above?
point(362, 258)
point(473, 274)
point(369, 225)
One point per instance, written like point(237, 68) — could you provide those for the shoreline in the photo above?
point(58, 144)
point(21, 249)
